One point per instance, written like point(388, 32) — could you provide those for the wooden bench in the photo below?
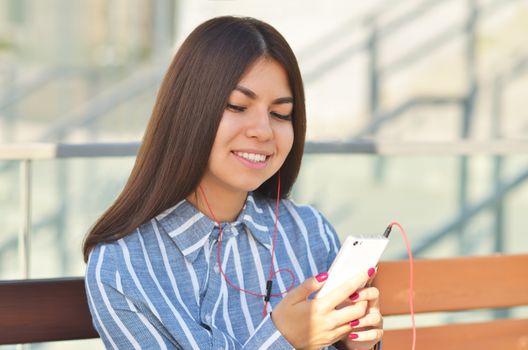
point(56, 309)
point(44, 310)
point(457, 284)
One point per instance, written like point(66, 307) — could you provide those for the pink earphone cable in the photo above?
point(411, 278)
point(271, 273)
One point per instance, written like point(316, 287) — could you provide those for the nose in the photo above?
point(259, 126)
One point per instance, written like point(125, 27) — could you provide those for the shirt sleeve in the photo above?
point(123, 325)
point(333, 241)
point(267, 336)
point(117, 320)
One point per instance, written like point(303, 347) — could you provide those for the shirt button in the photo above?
point(216, 268)
point(208, 318)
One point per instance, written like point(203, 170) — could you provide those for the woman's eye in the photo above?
point(235, 108)
point(238, 109)
point(281, 116)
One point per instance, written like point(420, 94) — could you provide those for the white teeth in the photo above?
point(253, 157)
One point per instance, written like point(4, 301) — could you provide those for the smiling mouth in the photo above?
point(252, 157)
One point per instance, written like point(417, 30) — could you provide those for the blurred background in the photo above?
point(409, 73)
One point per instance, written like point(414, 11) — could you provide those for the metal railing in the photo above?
point(27, 153)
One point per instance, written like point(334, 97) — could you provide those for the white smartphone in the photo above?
point(357, 254)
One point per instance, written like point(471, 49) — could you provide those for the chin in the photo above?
point(250, 185)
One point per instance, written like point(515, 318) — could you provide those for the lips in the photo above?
point(252, 159)
point(253, 156)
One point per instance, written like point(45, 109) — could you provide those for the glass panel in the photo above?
point(10, 207)
point(362, 194)
point(67, 197)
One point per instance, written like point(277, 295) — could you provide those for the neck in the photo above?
point(225, 205)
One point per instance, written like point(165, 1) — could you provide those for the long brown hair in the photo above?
point(193, 95)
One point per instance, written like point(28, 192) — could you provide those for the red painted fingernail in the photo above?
point(371, 271)
point(321, 277)
point(353, 323)
point(354, 296)
point(353, 336)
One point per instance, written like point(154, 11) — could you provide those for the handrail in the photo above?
point(40, 151)
point(417, 101)
point(367, 20)
point(40, 80)
point(134, 85)
point(385, 31)
point(27, 153)
point(467, 213)
point(382, 9)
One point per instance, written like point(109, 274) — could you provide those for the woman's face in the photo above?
point(255, 133)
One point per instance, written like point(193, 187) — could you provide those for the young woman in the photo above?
point(202, 249)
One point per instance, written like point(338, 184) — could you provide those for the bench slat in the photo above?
point(454, 284)
point(56, 309)
point(497, 335)
point(44, 310)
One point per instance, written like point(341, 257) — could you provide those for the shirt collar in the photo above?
point(259, 218)
point(190, 229)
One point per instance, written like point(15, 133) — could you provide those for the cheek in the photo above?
point(227, 129)
point(286, 139)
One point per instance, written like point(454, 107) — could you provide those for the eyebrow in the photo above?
point(253, 95)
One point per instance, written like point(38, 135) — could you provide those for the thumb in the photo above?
point(309, 286)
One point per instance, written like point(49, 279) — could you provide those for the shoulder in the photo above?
point(106, 259)
point(101, 264)
point(308, 218)
point(288, 209)
point(304, 213)
point(297, 218)
point(322, 232)
point(306, 223)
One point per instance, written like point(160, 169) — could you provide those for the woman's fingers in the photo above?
point(309, 286)
point(350, 312)
point(370, 294)
point(297, 316)
point(340, 333)
point(368, 328)
point(346, 289)
point(373, 334)
point(371, 319)
point(367, 300)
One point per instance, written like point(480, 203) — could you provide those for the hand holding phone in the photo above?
point(357, 254)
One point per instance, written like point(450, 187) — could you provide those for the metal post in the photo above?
point(498, 225)
point(60, 218)
point(373, 71)
point(162, 22)
point(374, 82)
point(68, 40)
point(498, 229)
point(468, 109)
point(24, 237)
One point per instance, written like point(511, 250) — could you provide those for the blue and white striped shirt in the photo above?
point(160, 287)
